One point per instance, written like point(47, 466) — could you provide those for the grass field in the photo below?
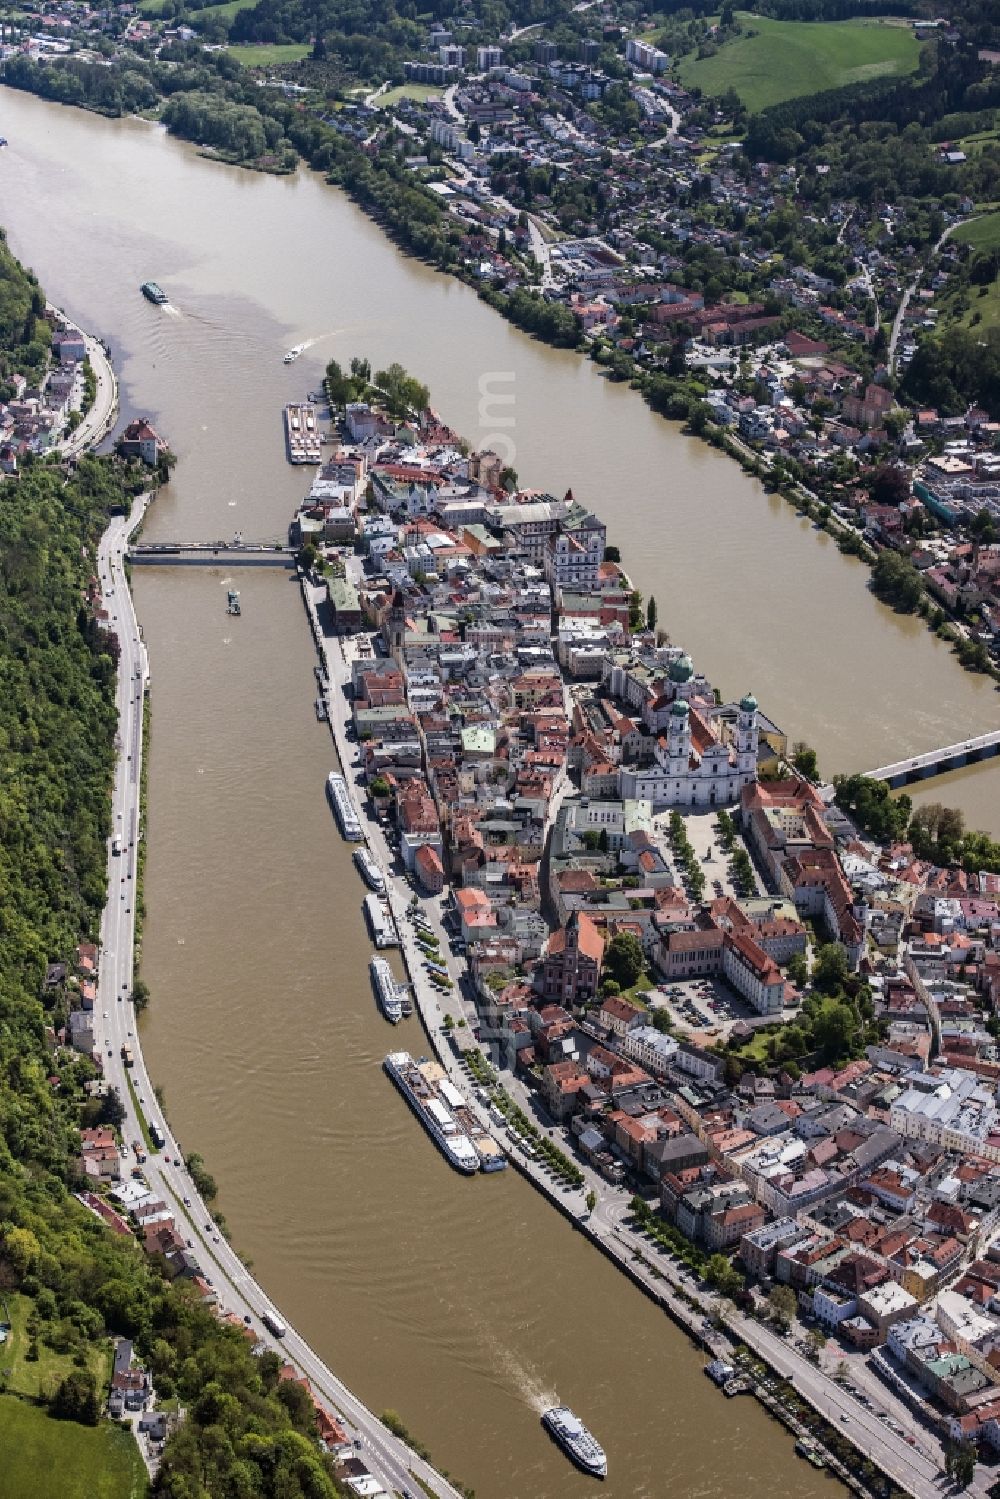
point(268, 56)
point(983, 310)
point(46, 1459)
point(419, 91)
point(786, 59)
point(982, 233)
point(40, 1376)
point(226, 11)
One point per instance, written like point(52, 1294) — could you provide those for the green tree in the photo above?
point(651, 614)
point(798, 969)
point(834, 1030)
point(960, 1462)
point(782, 1303)
point(830, 969)
point(804, 760)
point(816, 1339)
point(623, 959)
point(76, 1398)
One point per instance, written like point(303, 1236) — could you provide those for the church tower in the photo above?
point(396, 625)
point(679, 739)
point(747, 738)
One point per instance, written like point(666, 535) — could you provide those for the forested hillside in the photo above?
point(24, 335)
point(245, 1434)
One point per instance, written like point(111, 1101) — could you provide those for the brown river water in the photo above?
point(464, 1305)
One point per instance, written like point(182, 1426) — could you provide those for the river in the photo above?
point(463, 1305)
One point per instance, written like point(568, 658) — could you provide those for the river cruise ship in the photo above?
point(386, 992)
point(344, 808)
point(301, 434)
point(576, 1441)
point(369, 870)
point(380, 922)
point(421, 1085)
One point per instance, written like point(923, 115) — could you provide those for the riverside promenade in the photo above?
point(913, 1461)
point(103, 414)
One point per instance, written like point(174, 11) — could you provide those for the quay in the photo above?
point(936, 762)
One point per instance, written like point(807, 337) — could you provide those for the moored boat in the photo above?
point(370, 872)
point(343, 806)
point(386, 991)
point(380, 922)
point(420, 1084)
point(576, 1441)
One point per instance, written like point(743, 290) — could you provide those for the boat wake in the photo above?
point(171, 310)
point(308, 343)
point(526, 1381)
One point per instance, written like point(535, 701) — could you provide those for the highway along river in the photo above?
point(464, 1305)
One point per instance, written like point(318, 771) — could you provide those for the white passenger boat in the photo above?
point(344, 808)
point(386, 990)
point(576, 1441)
point(420, 1085)
point(370, 872)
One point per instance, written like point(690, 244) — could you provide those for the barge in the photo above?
point(369, 870)
point(380, 922)
point(384, 983)
point(343, 806)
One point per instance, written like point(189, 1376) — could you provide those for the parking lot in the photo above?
point(708, 1007)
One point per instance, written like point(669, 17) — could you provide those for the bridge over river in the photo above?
point(237, 553)
point(936, 762)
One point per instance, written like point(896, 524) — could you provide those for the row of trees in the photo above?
point(936, 832)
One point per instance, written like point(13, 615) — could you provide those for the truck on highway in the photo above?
point(157, 1136)
point(116, 845)
point(127, 1055)
point(274, 1324)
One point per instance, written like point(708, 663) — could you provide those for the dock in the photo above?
point(380, 922)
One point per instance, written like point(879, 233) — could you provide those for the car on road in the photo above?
point(215, 1238)
point(187, 1202)
point(208, 1228)
point(247, 1319)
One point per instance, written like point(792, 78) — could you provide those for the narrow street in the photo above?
point(100, 419)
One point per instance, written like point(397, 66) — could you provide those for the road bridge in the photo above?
point(936, 762)
point(211, 554)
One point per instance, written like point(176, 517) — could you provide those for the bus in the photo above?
point(274, 1324)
